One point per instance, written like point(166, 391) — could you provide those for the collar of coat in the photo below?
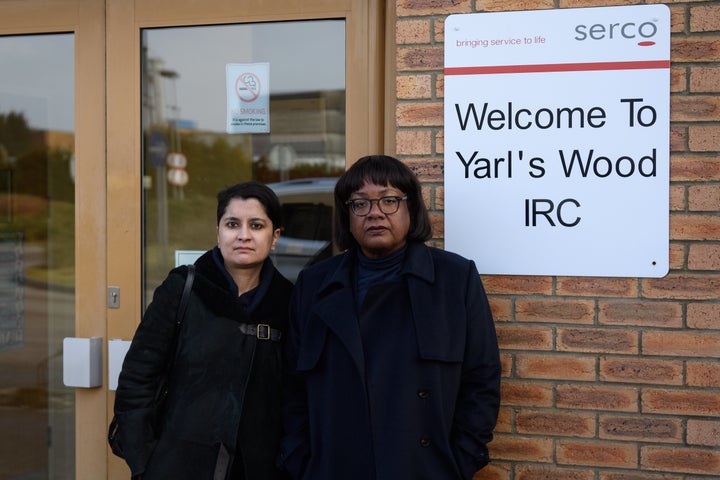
point(418, 263)
point(438, 336)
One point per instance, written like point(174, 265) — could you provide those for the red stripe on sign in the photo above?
point(558, 67)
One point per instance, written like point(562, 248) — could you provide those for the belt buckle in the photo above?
point(263, 331)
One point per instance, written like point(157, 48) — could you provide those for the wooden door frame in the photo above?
point(85, 19)
point(365, 133)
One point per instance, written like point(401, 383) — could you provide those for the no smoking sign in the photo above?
point(248, 97)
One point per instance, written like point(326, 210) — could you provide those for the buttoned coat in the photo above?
point(434, 418)
point(224, 388)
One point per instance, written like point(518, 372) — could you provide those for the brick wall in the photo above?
point(604, 378)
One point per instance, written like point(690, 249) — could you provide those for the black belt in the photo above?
point(261, 331)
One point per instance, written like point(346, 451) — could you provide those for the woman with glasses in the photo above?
point(392, 367)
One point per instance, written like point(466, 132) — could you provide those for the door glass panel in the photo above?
point(37, 255)
point(189, 154)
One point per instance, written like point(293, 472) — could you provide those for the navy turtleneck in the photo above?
point(375, 270)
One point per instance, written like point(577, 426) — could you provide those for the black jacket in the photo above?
point(224, 396)
point(407, 387)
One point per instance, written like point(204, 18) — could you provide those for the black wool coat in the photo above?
point(405, 386)
point(222, 412)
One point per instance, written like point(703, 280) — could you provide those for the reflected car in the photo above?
point(307, 215)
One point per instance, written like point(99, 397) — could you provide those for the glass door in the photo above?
point(202, 95)
point(51, 164)
point(228, 103)
point(37, 254)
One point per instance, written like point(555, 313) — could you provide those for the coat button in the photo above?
point(423, 394)
point(424, 442)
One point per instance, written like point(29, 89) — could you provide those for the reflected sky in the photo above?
point(303, 56)
point(36, 74)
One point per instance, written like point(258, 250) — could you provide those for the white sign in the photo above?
point(557, 141)
point(248, 97)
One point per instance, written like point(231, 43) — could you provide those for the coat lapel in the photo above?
point(336, 308)
point(423, 295)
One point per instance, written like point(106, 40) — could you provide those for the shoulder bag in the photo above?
point(163, 386)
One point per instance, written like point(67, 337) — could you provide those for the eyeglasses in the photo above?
point(387, 205)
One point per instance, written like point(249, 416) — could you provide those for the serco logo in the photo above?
point(630, 30)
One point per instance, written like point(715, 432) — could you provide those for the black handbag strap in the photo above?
point(185, 294)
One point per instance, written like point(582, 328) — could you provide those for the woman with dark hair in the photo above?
point(221, 416)
point(393, 368)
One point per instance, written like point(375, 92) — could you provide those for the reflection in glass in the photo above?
point(37, 255)
point(184, 128)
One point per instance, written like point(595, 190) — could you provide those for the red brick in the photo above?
point(506, 364)
point(542, 472)
point(694, 227)
point(637, 476)
point(703, 373)
point(677, 19)
point(502, 5)
point(440, 86)
point(705, 18)
point(439, 27)
point(640, 370)
point(694, 168)
point(517, 285)
point(640, 313)
point(677, 198)
point(704, 257)
point(419, 58)
point(557, 367)
point(643, 428)
point(497, 470)
point(427, 169)
point(695, 49)
point(678, 138)
point(501, 309)
point(558, 423)
point(440, 195)
point(431, 7)
point(703, 315)
point(597, 286)
point(678, 287)
point(704, 138)
point(678, 79)
point(555, 310)
point(677, 256)
point(439, 142)
point(703, 432)
point(704, 198)
point(526, 394)
point(505, 420)
point(681, 344)
point(516, 447)
point(597, 340)
point(514, 337)
point(413, 142)
point(616, 455)
point(694, 108)
point(594, 3)
point(438, 224)
point(412, 32)
point(686, 460)
point(418, 114)
point(413, 87)
point(680, 402)
point(591, 397)
point(705, 79)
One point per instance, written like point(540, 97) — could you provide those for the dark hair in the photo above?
point(252, 189)
point(386, 171)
